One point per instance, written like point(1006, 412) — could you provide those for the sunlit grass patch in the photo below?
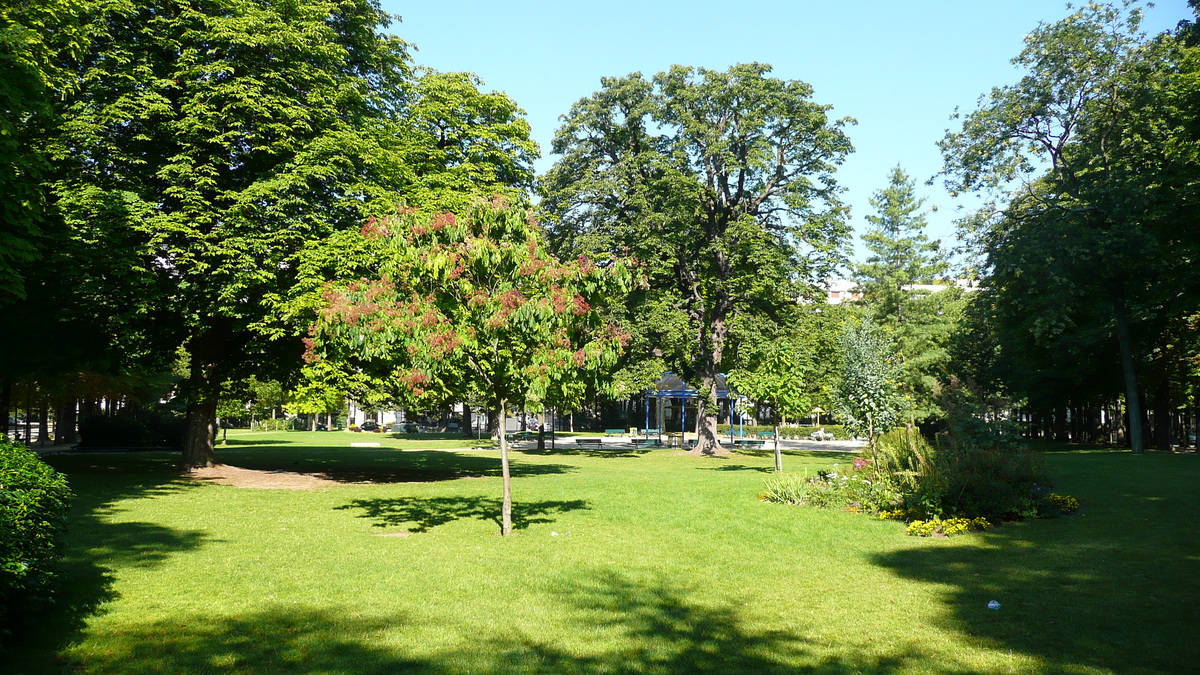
point(652, 562)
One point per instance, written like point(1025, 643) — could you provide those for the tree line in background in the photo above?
point(200, 204)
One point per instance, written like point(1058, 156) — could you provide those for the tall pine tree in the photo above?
point(918, 321)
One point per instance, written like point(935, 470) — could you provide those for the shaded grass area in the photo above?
point(1113, 587)
point(655, 563)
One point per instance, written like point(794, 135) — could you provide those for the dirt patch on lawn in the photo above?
point(224, 474)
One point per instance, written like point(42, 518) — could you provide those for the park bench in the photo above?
point(766, 435)
point(749, 443)
point(590, 442)
point(614, 432)
point(644, 442)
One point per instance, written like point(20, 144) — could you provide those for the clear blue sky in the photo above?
point(899, 68)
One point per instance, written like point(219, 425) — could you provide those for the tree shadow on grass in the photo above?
point(738, 467)
point(282, 640)
point(608, 451)
point(662, 630)
point(421, 514)
point(1114, 588)
point(387, 466)
point(97, 542)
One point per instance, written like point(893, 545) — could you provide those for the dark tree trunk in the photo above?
point(467, 430)
point(1162, 414)
point(1060, 425)
point(65, 421)
point(44, 421)
point(206, 350)
point(5, 405)
point(198, 448)
point(1132, 394)
point(712, 348)
point(495, 422)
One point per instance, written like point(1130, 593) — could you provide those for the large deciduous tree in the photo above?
point(473, 307)
point(720, 184)
point(208, 145)
point(1093, 157)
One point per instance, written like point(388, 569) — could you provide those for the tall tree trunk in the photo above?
point(44, 421)
point(496, 422)
point(5, 404)
point(64, 422)
point(711, 350)
point(467, 430)
point(506, 505)
point(1132, 395)
point(1162, 414)
point(1060, 425)
point(198, 450)
point(206, 350)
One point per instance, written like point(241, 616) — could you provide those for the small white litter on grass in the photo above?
point(993, 605)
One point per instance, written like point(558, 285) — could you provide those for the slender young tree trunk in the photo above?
point(541, 442)
point(1132, 395)
point(778, 452)
point(506, 505)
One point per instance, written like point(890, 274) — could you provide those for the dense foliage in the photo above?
point(1089, 244)
point(920, 322)
point(903, 477)
point(34, 500)
point(720, 185)
point(471, 306)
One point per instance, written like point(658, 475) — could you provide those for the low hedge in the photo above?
point(34, 499)
point(839, 432)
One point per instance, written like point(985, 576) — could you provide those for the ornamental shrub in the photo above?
point(34, 499)
point(853, 487)
point(786, 488)
point(994, 483)
point(948, 527)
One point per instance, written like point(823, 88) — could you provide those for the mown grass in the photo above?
point(633, 562)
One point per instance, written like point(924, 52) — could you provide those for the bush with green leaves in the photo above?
point(34, 499)
point(854, 487)
point(905, 478)
point(276, 424)
point(839, 431)
point(785, 488)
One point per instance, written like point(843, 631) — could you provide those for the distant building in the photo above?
point(838, 291)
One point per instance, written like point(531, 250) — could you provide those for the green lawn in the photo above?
point(633, 562)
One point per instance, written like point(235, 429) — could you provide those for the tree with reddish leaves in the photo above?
point(472, 307)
